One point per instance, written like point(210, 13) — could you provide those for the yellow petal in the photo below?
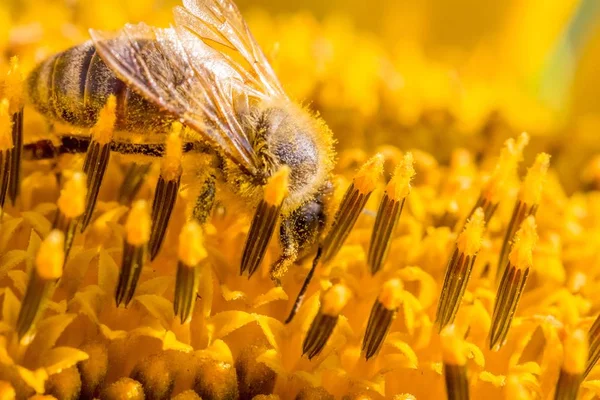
point(496, 380)
point(268, 326)
point(10, 308)
point(19, 279)
point(170, 342)
point(38, 222)
point(10, 260)
point(62, 358)
point(274, 294)
point(226, 322)
point(34, 379)
point(9, 227)
point(110, 334)
point(157, 286)
point(47, 333)
point(159, 307)
point(475, 353)
point(218, 351)
point(232, 295)
point(405, 349)
point(108, 272)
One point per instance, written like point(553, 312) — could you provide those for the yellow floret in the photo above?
point(191, 248)
point(391, 294)
point(453, 346)
point(521, 254)
point(531, 190)
point(102, 132)
point(51, 256)
point(277, 188)
point(469, 241)
point(399, 186)
point(171, 162)
point(335, 299)
point(71, 201)
point(5, 126)
point(575, 352)
point(138, 224)
point(367, 176)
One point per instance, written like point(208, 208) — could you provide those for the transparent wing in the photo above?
point(186, 77)
point(222, 22)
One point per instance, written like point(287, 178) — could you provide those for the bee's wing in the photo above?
point(222, 22)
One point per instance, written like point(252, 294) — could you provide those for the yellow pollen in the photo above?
point(191, 248)
point(366, 178)
point(453, 346)
point(14, 85)
point(335, 299)
point(103, 130)
point(5, 126)
point(71, 202)
point(505, 169)
point(171, 162)
point(469, 241)
point(138, 224)
point(391, 294)
point(575, 350)
point(399, 186)
point(277, 187)
point(51, 256)
point(531, 190)
point(7, 392)
point(521, 254)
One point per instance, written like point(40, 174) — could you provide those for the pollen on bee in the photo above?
point(455, 359)
point(513, 282)
point(264, 222)
point(526, 205)
point(390, 208)
point(575, 355)
point(167, 187)
point(332, 303)
point(460, 265)
point(137, 235)
point(382, 315)
point(191, 253)
point(49, 262)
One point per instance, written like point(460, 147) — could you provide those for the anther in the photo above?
point(513, 282)
point(48, 268)
point(191, 253)
point(505, 170)
point(167, 187)
point(6, 151)
point(322, 326)
point(264, 221)
point(526, 205)
point(575, 354)
point(594, 346)
point(137, 234)
point(389, 212)
point(455, 360)
point(459, 268)
point(71, 205)
point(14, 94)
point(352, 205)
point(97, 156)
point(382, 315)
point(134, 178)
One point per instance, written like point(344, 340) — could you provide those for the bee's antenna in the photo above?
point(302, 292)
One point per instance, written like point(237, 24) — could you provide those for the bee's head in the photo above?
point(290, 136)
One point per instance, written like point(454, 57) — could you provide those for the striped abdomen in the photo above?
point(74, 85)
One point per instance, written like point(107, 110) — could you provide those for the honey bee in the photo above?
point(207, 72)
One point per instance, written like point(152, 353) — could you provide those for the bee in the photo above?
point(207, 72)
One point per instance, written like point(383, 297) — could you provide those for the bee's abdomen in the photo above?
point(74, 85)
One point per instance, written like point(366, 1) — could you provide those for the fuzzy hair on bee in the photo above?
point(206, 72)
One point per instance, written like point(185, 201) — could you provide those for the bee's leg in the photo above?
point(298, 234)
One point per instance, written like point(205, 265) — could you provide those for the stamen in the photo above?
point(97, 156)
point(505, 170)
point(513, 282)
point(48, 268)
point(322, 326)
point(167, 187)
point(527, 204)
point(575, 354)
point(455, 360)
point(594, 351)
point(382, 315)
point(389, 212)
point(352, 205)
point(264, 221)
point(14, 93)
point(459, 268)
point(6, 151)
point(191, 253)
point(134, 178)
point(137, 235)
point(71, 205)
